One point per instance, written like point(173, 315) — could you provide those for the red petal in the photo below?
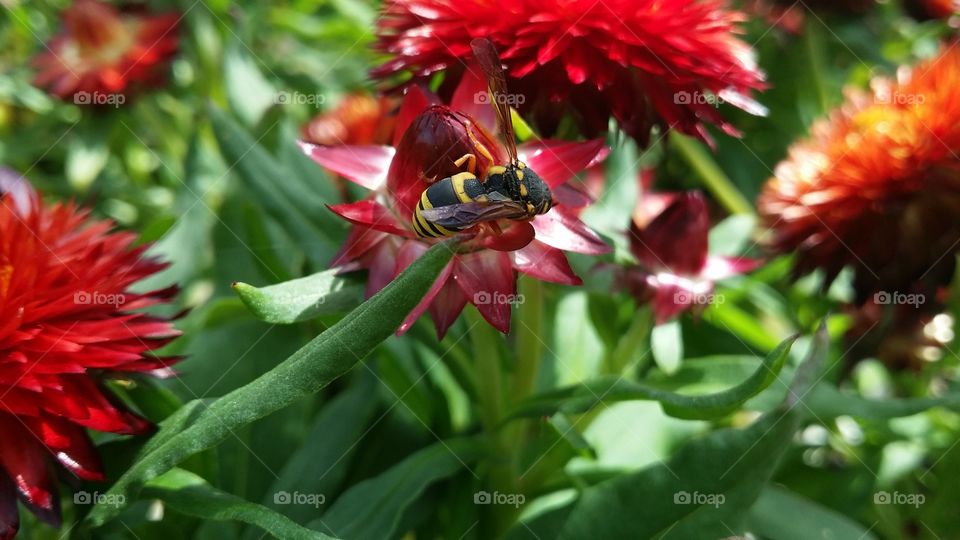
point(472, 97)
point(514, 237)
point(360, 240)
point(371, 214)
point(447, 306)
point(545, 263)
point(408, 254)
point(365, 165)
point(558, 161)
point(9, 516)
point(415, 102)
point(569, 196)
point(70, 444)
point(488, 281)
point(25, 461)
point(563, 231)
point(676, 240)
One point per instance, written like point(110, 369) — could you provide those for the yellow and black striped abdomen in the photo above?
point(457, 189)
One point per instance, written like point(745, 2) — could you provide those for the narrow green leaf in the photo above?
point(583, 397)
point(325, 358)
point(705, 489)
point(301, 299)
point(827, 401)
point(568, 432)
point(766, 518)
point(372, 509)
point(190, 494)
point(262, 174)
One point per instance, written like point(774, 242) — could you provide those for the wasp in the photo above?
point(511, 191)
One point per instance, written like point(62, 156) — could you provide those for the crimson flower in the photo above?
point(675, 272)
point(429, 137)
point(646, 62)
point(68, 321)
point(102, 51)
point(358, 119)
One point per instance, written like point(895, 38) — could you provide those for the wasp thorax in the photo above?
point(526, 186)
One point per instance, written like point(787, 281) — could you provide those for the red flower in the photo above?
point(932, 9)
point(645, 62)
point(103, 51)
point(668, 237)
point(428, 139)
point(67, 322)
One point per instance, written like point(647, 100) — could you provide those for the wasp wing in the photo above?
point(486, 55)
point(462, 216)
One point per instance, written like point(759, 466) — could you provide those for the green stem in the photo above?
point(631, 341)
point(715, 180)
point(529, 330)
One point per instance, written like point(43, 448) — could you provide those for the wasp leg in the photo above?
point(470, 160)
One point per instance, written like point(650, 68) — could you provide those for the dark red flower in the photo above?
point(428, 139)
point(358, 119)
point(932, 9)
point(675, 272)
point(68, 321)
point(102, 51)
point(665, 62)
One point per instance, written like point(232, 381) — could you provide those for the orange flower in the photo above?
point(358, 119)
point(877, 186)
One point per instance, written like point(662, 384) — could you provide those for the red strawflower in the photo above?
point(428, 139)
point(876, 187)
point(68, 321)
point(675, 272)
point(102, 51)
point(932, 9)
point(644, 62)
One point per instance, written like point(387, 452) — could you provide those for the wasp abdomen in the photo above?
point(457, 189)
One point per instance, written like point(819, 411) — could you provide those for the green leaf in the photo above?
point(827, 401)
point(766, 518)
point(190, 494)
point(705, 489)
point(248, 92)
point(372, 509)
point(262, 175)
point(301, 299)
point(564, 427)
point(584, 397)
point(323, 359)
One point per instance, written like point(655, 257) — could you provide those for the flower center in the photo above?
point(99, 33)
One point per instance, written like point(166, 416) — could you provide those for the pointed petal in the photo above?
point(70, 444)
point(407, 256)
point(472, 98)
point(558, 161)
point(359, 241)
point(381, 267)
point(545, 263)
point(676, 240)
point(364, 165)
point(561, 230)
point(414, 102)
point(9, 516)
point(569, 196)
point(446, 307)
point(24, 460)
point(370, 213)
point(718, 268)
point(488, 281)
